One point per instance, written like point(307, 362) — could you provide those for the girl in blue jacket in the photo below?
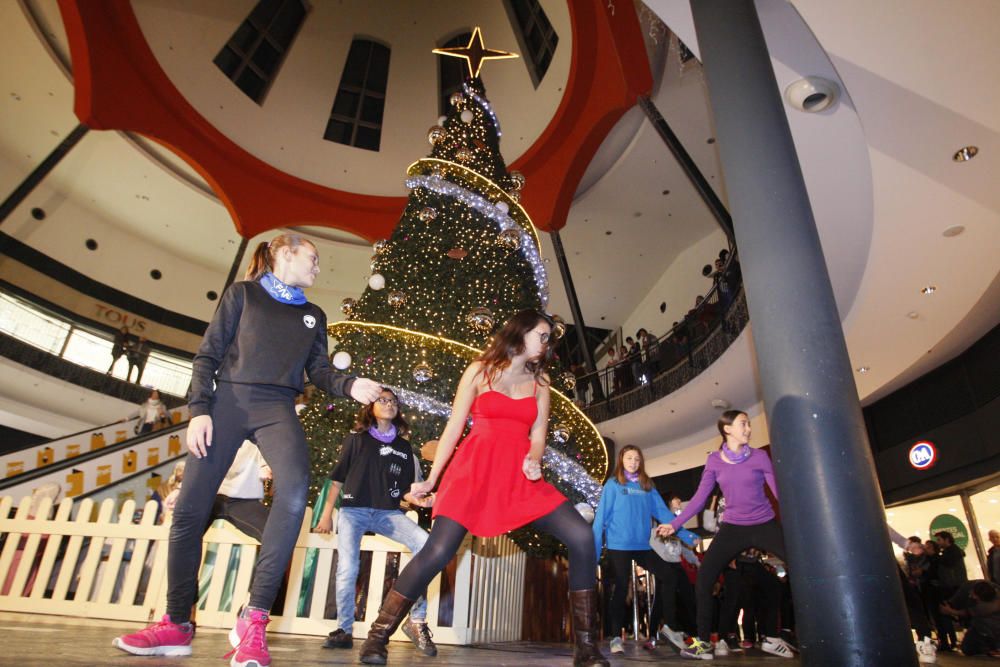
point(623, 521)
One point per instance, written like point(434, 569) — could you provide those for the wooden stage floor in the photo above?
point(47, 641)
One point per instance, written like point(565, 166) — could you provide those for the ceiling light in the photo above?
point(720, 404)
point(965, 154)
point(864, 369)
point(913, 314)
point(954, 230)
point(930, 289)
point(952, 509)
point(812, 94)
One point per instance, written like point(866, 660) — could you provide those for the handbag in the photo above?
point(669, 549)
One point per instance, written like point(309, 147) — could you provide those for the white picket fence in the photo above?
point(96, 565)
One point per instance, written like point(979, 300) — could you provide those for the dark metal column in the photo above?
point(574, 306)
point(231, 278)
point(715, 205)
point(849, 607)
point(41, 171)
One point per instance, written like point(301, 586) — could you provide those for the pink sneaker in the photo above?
point(251, 649)
point(163, 638)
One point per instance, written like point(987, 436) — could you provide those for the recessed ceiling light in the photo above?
point(954, 230)
point(929, 289)
point(913, 314)
point(864, 369)
point(952, 509)
point(965, 154)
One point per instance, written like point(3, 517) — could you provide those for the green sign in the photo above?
point(953, 525)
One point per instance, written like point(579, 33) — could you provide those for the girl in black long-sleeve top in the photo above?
point(245, 377)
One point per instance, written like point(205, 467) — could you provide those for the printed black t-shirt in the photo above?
point(375, 474)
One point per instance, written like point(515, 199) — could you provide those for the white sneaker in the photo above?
point(675, 637)
point(777, 646)
point(617, 645)
point(926, 651)
point(721, 648)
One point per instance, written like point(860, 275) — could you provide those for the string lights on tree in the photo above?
point(463, 259)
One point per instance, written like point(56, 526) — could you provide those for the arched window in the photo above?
point(537, 37)
point(253, 55)
point(451, 72)
point(356, 117)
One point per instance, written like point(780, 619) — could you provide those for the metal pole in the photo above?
point(231, 278)
point(574, 306)
point(715, 205)
point(977, 536)
point(41, 171)
point(635, 604)
point(849, 606)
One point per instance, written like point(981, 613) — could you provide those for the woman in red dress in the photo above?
point(494, 484)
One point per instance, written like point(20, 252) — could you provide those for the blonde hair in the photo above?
point(262, 260)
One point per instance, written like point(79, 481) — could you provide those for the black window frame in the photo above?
point(535, 34)
point(368, 93)
point(254, 54)
point(452, 72)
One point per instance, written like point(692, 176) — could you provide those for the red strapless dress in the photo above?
point(484, 488)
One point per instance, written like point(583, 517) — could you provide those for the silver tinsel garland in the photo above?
point(504, 221)
point(486, 107)
point(555, 461)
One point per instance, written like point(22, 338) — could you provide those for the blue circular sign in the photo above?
point(923, 455)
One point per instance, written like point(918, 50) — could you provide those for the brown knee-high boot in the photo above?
point(394, 608)
point(584, 609)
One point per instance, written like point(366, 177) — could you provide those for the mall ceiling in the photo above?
point(878, 165)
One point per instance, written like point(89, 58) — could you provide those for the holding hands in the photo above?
point(665, 530)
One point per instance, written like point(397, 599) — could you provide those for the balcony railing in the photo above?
point(678, 357)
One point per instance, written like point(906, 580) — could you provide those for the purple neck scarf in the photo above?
point(632, 476)
point(382, 437)
point(737, 457)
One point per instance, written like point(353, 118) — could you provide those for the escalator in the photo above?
point(84, 472)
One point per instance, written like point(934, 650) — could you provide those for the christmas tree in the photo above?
point(462, 260)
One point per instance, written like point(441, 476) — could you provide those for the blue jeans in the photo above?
point(352, 524)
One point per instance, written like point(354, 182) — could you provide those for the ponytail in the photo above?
point(262, 260)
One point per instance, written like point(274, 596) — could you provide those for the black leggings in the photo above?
point(564, 523)
point(621, 564)
point(265, 414)
point(726, 545)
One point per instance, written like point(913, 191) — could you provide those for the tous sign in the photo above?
point(120, 319)
point(923, 455)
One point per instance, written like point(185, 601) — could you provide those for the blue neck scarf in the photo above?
point(281, 292)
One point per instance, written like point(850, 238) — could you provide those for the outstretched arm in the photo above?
point(468, 389)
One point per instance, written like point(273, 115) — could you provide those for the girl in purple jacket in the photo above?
point(741, 472)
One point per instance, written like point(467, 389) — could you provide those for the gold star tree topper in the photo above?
point(475, 52)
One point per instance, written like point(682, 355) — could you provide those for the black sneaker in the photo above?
point(421, 635)
point(732, 643)
point(339, 639)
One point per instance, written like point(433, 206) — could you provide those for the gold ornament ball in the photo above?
point(423, 372)
point(560, 434)
point(380, 246)
point(374, 264)
point(516, 180)
point(436, 135)
point(568, 380)
point(427, 214)
point(456, 99)
point(480, 319)
point(558, 327)
point(347, 306)
point(463, 155)
point(515, 195)
point(509, 239)
point(396, 299)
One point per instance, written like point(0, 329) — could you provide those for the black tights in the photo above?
point(564, 523)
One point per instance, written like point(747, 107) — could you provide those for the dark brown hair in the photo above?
point(726, 419)
point(262, 259)
point(644, 481)
point(509, 342)
point(366, 417)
